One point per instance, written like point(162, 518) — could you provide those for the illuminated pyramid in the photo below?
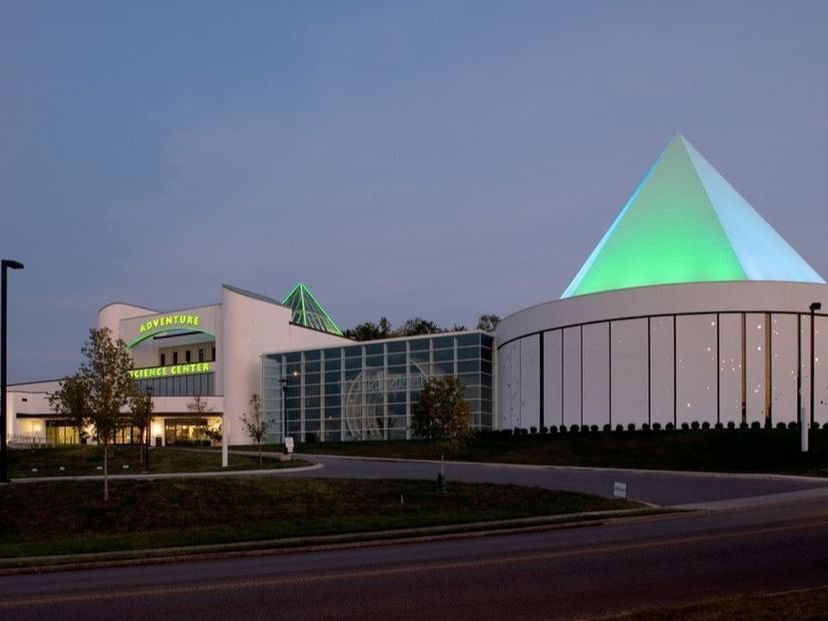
point(308, 312)
point(685, 223)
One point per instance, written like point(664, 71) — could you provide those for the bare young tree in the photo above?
point(255, 425)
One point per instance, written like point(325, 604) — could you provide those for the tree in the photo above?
point(370, 331)
point(255, 426)
point(107, 389)
point(70, 401)
point(417, 326)
point(488, 323)
point(140, 415)
point(199, 407)
point(442, 413)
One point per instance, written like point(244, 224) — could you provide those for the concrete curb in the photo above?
point(63, 562)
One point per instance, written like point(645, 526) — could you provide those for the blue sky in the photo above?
point(435, 159)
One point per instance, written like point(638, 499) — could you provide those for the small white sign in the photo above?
point(619, 490)
point(289, 444)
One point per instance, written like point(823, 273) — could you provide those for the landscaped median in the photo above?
point(53, 518)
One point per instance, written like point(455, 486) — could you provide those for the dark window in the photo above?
point(175, 357)
point(372, 350)
point(214, 353)
point(187, 356)
point(443, 342)
point(395, 347)
point(163, 359)
point(201, 354)
point(468, 339)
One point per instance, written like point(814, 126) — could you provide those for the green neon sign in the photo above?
point(171, 371)
point(168, 323)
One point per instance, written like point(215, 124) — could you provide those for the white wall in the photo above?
point(705, 389)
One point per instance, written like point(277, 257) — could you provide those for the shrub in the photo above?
point(695, 425)
point(533, 430)
point(780, 425)
point(656, 426)
point(685, 427)
point(645, 426)
point(553, 429)
point(631, 427)
point(756, 425)
point(584, 428)
point(607, 427)
point(669, 427)
point(743, 425)
point(731, 425)
point(705, 425)
point(718, 426)
point(562, 429)
point(544, 429)
point(593, 428)
point(793, 425)
point(574, 428)
point(816, 425)
point(619, 427)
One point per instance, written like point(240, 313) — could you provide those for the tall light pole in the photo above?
point(7, 264)
point(284, 382)
point(815, 306)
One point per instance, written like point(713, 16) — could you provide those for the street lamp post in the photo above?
point(7, 264)
point(149, 426)
point(815, 306)
point(284, 382)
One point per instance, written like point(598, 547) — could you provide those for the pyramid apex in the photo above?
point(308, 311)
point(686, 223)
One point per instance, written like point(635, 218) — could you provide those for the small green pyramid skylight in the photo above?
point(308, 311)
point(685, 223)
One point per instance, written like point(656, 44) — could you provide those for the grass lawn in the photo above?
point(63, 517)
point(725, 451)
point(791, 606)
point(84, 460)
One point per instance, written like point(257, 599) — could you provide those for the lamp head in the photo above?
point(12, 264)
point(815, 306)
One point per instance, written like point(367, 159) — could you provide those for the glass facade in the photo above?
point(366, 391)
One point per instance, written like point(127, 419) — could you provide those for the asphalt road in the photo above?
point(560, 574)
point(659, 488)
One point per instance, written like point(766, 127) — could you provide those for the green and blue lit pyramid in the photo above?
point(308, 311)
point(685, 223)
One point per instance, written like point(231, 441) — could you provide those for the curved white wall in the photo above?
point(672, 353)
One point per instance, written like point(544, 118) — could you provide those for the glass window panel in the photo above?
point(444, 355)
point(353, 351)
point(443, 342)
point(661, 353)
point(468, 353)
point(373, 350)
point(464, 340)
point(374, 361)
point(294, 357)
point(630, 402)
point(313, 354)
point(353, 363)
point(332, 400)
point(312, 366)
point(395, 346)
point(418, 345)
point(468, 366)
point(396, 359)
point(332, 354)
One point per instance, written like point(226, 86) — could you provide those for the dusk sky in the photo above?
point(435, 159)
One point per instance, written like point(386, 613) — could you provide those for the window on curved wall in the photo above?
point(629, 372)
point(756, 351)
point(821, 370)
point(730, 368)
point(572, 376)
point(783, 368)
point(696, 369)
point(552, 379)
point(596, 374)
point(661, 362)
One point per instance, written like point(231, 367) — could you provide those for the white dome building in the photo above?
point(691, 308)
